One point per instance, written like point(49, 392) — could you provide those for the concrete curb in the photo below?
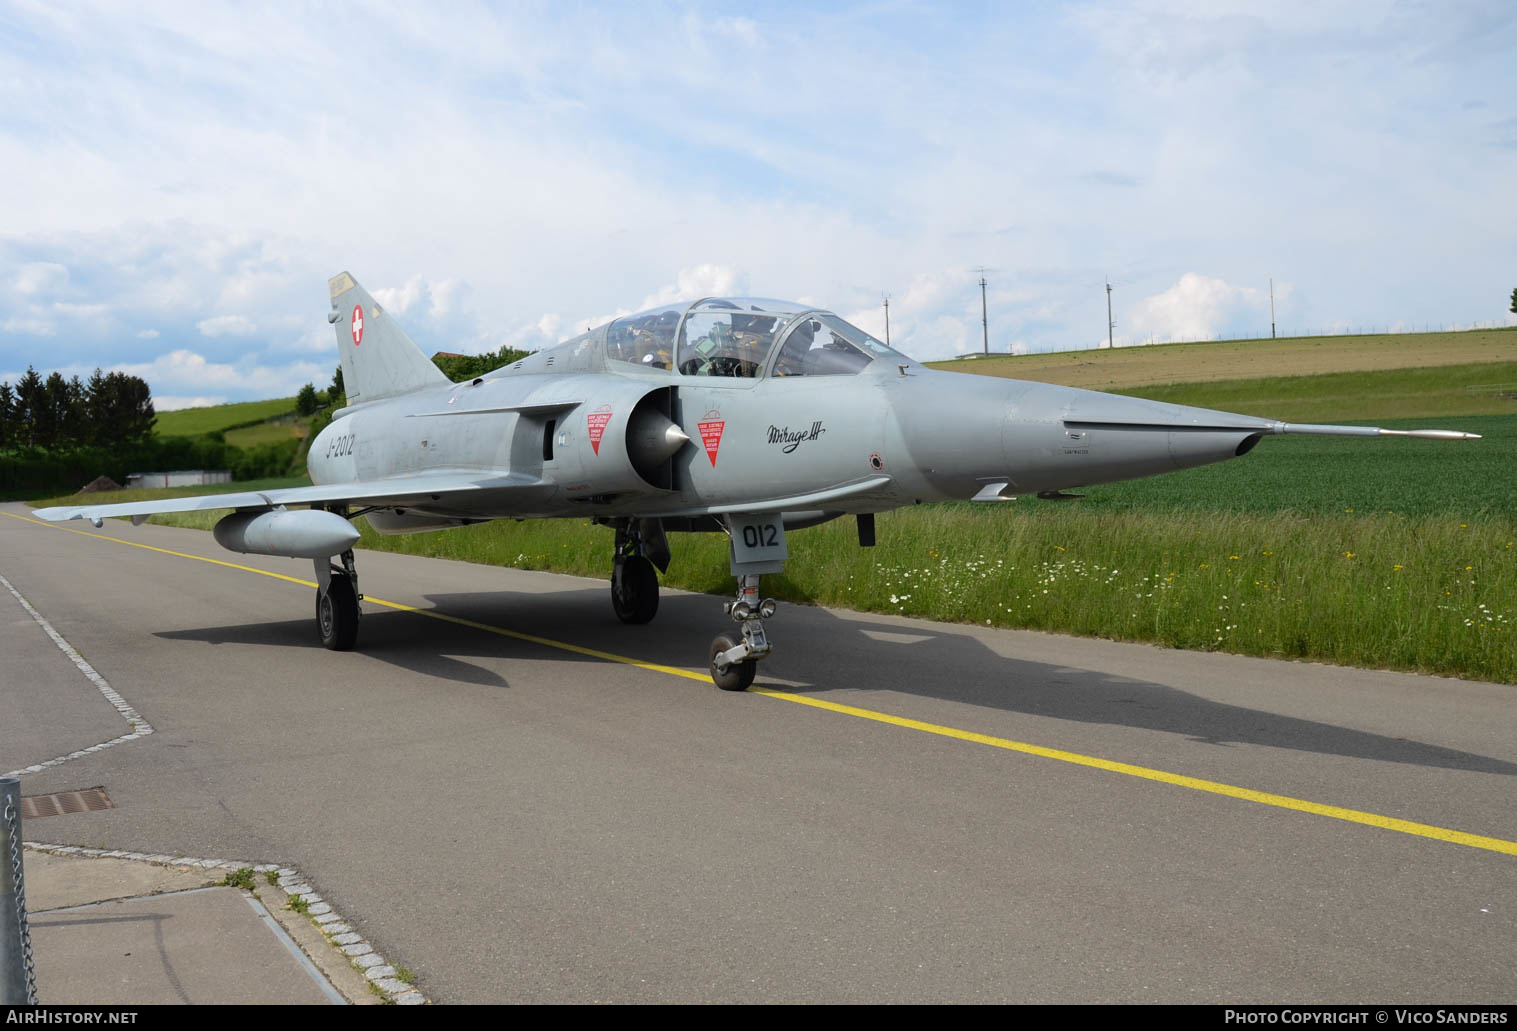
point(348, 946)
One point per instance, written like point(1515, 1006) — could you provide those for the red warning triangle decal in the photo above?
point(711, 426)
point(597, 421)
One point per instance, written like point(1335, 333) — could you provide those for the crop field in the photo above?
point(1386, 553)
point(1124, 368)
point(191, 422)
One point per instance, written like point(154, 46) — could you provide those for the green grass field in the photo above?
point(1386, 553)
point(292, 428)
point(191, 422)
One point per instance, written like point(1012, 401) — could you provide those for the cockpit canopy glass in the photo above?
point(731, 337)
point(645, 339)
point(738, 336)
point(822, 344)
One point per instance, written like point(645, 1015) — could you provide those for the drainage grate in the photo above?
point(87, 800)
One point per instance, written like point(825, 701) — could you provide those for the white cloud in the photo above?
point(397, 300)
point(226, 325)
point(185, 373)
point(444, 295)
point(147, 334)
point(29, 325)
point(698, 281)
point(1196, 308)
point(40, 277)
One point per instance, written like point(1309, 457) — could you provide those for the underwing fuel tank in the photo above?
point(289, 533)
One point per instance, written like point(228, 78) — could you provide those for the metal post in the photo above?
point(18, 979)
point(1272, 307)
point(984, 317)
point(887, 320)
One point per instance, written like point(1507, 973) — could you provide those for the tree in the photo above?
point(1514, 300)
point(28, 398)
point(459, 367)
point(96, 406)
point(51, 415)
point(305, 401)
point(128, 409)
point(7, 415)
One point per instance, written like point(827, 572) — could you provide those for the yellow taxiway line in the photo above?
point(1390, 823)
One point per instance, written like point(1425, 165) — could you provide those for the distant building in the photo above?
point(179, 478)
point(449, 354)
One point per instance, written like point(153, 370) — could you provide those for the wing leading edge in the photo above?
point(408, 490)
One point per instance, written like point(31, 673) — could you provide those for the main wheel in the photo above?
point(337, 614)
point(634, 590)
point(738, 675)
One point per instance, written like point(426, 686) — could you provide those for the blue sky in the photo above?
point(180, 180)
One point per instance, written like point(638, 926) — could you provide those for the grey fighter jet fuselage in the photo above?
point(745, 415)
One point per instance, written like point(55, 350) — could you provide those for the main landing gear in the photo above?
point(634, 584)
point(337, 597)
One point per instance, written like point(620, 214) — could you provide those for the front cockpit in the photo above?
point(745, 337)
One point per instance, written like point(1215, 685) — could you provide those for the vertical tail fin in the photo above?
point(378, 359)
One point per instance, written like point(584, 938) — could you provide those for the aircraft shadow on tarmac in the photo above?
point(819, 651)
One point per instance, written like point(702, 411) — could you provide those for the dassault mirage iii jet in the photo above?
point(747, 416)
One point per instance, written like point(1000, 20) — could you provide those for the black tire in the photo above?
point(337, 615)
point(737, 676)
point(634, 590)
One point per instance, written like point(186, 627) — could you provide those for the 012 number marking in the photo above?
point(764, 536)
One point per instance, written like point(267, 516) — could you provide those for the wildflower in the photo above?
point(1233, 557)
point(1348, 554)
point(1398, 568)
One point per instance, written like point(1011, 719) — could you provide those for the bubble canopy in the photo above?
point(744, 337)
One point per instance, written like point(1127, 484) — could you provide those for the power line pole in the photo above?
point(1272, 307)
point(1110, 325)
point(887, 320)
point(984, 316)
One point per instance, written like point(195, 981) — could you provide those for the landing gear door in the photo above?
point(758, 543)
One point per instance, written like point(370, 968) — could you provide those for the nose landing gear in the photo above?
point(734, 663)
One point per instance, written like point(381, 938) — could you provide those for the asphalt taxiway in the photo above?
point(521, 799)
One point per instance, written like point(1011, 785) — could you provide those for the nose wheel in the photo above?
point(730, 676)
point(734, 662)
